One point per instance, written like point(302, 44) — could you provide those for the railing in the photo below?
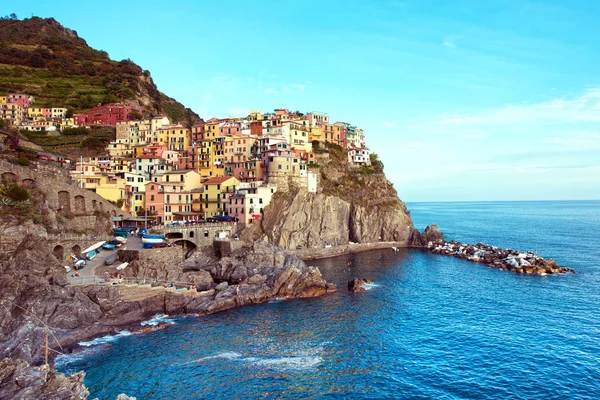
point(100, 280)
point(64, 236)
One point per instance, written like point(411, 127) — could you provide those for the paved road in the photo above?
point(87, 273)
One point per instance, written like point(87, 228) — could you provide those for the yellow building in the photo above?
point(316, 133)
point(112, 191)
point(119, 148)
point(216, 195)
point(212, 128)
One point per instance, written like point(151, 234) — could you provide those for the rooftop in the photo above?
point(217, 180)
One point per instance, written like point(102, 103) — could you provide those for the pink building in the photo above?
point(21, 99)
point(155, 202)
point(108, 114)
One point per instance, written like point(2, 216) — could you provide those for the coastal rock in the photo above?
point(504, 259)
point(358, 285)
point(78, 313)
point(432, 234)
point(19, 380)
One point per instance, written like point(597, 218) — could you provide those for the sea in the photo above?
point(429, 327)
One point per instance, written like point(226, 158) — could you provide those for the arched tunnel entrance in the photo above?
point(187, 247)
point(76, 250)
point(59, 252)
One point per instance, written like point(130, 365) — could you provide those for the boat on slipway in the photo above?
point(93, 250)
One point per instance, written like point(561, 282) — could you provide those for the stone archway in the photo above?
point(28, 183)
point(80, 204)
point(59, 252)
point(94, 205)
point(188, 247)
point(64, 201)
point(113, 213)
point(191, 234)
point(76, 250)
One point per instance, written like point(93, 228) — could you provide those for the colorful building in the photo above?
point(216, 193)
point(108, 114)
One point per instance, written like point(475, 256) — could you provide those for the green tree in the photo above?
point(110, 98)
point(135, 115)
point(120, 203)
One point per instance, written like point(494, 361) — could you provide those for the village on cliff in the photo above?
point(222, 168)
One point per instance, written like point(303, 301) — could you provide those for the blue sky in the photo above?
point(463, 100)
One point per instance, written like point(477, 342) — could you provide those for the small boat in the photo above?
point(91, 254)
point(110, 260)
point(123, 240)
point(121, 233)
point(121, 267)
point(79, 264)
point(96, 247)
point(116, 243)
point(147, 239)
point(108, 246)
point(142, 232)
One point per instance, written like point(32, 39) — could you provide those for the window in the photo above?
point(279, 166)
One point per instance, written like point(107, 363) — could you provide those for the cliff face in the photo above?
point(352, 205)
point(19, 380)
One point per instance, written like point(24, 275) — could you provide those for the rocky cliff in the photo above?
point(19, 380)
point(35, 293)
point(352, 205)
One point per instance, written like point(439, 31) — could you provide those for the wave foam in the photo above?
point(278, 300)
point(105, 339)
point(298, 363)
point(369, 286)
point(157, 319)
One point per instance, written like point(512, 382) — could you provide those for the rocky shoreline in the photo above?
point(504, 259)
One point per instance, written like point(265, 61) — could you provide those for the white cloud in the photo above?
point(299, 86)
point(387, 124)
point(271, 91)
point(449, 42)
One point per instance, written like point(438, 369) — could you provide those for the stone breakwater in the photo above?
point(503, 259)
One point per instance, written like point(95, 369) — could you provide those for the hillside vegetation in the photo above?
point(40, 57)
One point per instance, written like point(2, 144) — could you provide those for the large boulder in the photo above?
point(358, 285)
point(432, 234)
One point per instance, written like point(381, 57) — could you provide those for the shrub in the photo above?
point(15, 192)
point(24, 161)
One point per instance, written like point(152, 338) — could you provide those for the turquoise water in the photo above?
point(430, 326)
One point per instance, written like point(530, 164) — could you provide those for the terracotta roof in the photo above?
point(217, 180)
point(179, 171)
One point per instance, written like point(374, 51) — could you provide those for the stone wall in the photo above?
point(200, 235)
point(59, 193)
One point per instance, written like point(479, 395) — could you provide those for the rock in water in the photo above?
point(357, 285)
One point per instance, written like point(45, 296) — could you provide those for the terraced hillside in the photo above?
point(40, 57)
